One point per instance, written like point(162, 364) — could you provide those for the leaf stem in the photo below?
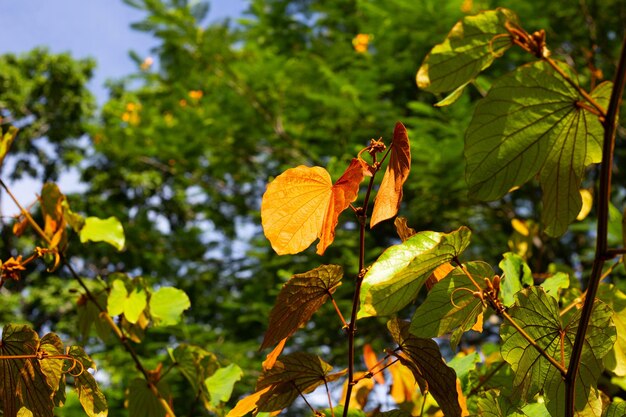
point(602, 253)
point(343, 321)
point(330, 401)
point(533, 343)
point(581, 91)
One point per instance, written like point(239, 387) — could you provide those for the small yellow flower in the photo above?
point(126, 116)
point(131, 106)
point(361, 42)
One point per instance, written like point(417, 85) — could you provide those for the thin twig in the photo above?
point(343, 321)
point(357, 291)
point(610, 124)
point(330, 401)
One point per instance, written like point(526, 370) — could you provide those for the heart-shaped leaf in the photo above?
point(538, 314)
point(302, 204)
point(470, 47)
point(299, 298)
point(533, 122)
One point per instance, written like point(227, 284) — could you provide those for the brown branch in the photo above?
point(362, 216)
point(602, 253)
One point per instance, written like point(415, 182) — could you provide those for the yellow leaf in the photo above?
point(302, 204)
point(478, 326)
point(271, 357)
point(520, 227)
point(587, 204)
point(247, 404)
point(389, 194)
point(370, 359)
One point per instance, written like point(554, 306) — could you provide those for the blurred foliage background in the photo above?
point(182, 149)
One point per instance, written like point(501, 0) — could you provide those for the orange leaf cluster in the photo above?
point(302, 204)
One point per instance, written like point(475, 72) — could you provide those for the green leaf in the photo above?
point(615, 361)
point(130, 304)
point(423, 358)
point(89, 314)
point(141, 400)
point(220, 385)
point(299, 298)
point(615, 410)
point(89, 394)
point(393, 413)
point(538, 314)
point(553, 284)
point(52, 345)
point(167, 305)
point(22, 381)
point(493, 404)
point(516, 275)
point(195, 363)
point(108, 230)
point(450, 304)
point(394, 280)
point(536, 410)
point(6, 139)
point(338, 411)
point(463, 365)
point(530, 123)
point(470, 47)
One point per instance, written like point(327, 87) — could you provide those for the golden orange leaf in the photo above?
point(403, 229)
point(271, 357)
point(438, 274)
point(389, 194)
point(248, 404)
point(344, 192)
point(404, 387)
point(360, 391)
point(302, 204)
point(370, 359)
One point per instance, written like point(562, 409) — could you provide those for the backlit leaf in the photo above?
point(271, 357)
point(530, 123)
point(396, 277)
point(553, 284)
point(103, 230)
point(52, 210)
point(371, 360)
point(403, 384)
point(394, 413)
point(220, 384)
point(494, 404)
point(516, 275)
point(403, 229)
point(279, 386)
point(450, 304)
point(6, 139)
point(22, 381)
point(470, 47)
point(299, 298)
point(615, 410)
point(195, 364)
point(52, 368)
point(615, 361)
point(587, 201)
point(142, 402)
point(302, 204)
point(538, 314)
point(389, 194)
point(360, 391)
point(131, 304)
point(167, 305)
point(91, 397)
point(424, 359)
